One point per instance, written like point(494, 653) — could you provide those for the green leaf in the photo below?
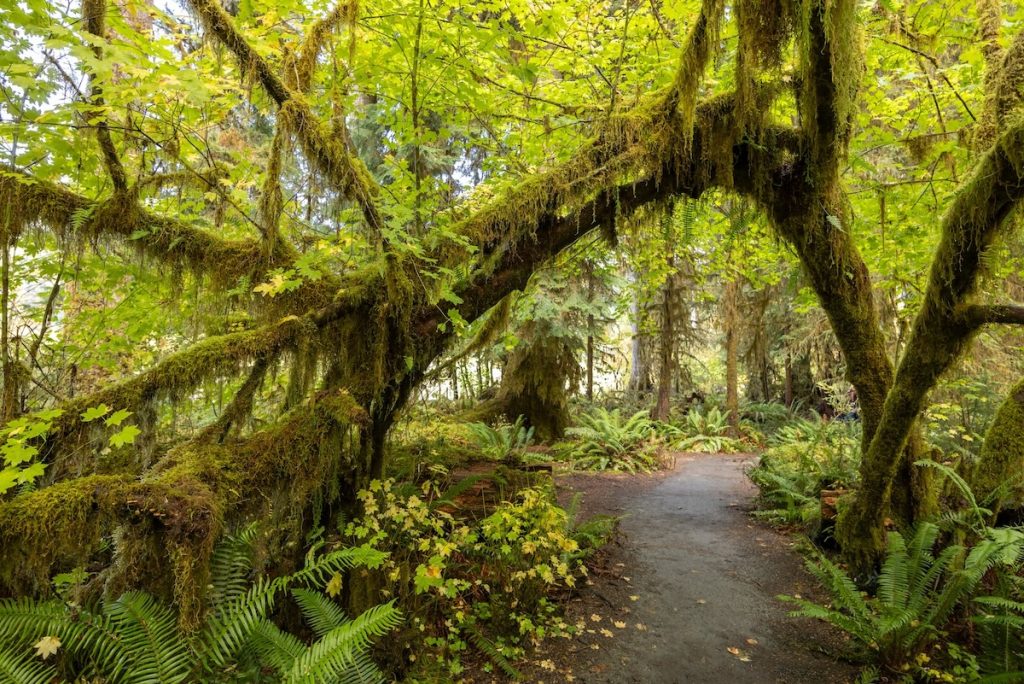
point(17, 452)
point(8, 478)
point(127, 435)
point(95, 412)
point(118, 418)
point(32, 473)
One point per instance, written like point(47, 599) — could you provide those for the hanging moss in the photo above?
point(536, 382)
point(61, 524)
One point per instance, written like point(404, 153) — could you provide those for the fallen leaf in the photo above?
point(634, 598)
point(752, 642)
point(595, 617)
point(619, 624)
point(701, 601)
point(47, 646)
point(740, 655)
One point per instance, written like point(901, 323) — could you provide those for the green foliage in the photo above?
point(488, 583)
point(919, 588)
point(138, 639)
point(504, 441)
point(22, 438)
point(605, 440)
point(806, 457)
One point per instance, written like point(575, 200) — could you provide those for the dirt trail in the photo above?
point(693, 577)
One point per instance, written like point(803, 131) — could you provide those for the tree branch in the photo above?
point(94, 13)
point(336, 159)
point(977, 315)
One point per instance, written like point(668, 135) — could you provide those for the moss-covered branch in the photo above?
point(977, 315)
point(184, 503)
point(334, 157)
point(74, 217)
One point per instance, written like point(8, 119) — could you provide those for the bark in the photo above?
point(730, 301)
point(666, 346)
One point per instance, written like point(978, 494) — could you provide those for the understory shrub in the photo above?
point(491, 584)
point(803, 458)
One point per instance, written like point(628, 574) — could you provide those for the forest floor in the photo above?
point(687, 593)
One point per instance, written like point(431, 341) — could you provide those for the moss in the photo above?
point(537, 379)
point(61, 524)
point(179, 374)
point(1000, 466)
point(184, 503)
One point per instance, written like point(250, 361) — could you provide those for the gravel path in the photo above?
point(688, 593)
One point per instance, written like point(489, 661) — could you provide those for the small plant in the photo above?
point(502, 442)
point(488, 584)
point(918, 590)
point(137, 639)
point(605, 440)
point(806, 457)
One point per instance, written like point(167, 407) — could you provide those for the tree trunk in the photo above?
point(666, 349)
point(731, 321)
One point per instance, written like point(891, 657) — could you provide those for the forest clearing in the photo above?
point(430, 341)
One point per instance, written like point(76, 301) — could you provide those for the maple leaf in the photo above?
point(127, 435)
point(334, 585)
point(47, 646)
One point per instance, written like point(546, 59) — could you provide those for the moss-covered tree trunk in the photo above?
point(666, 345)
point(999, 472)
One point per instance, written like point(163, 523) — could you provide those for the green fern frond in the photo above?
point(321, 613)
point(335, 653)
point(274, 647)
point(149, 632)
point(491, 651)
point(231, 565)
point(24, 668)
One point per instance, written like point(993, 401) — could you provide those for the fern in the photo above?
point(321, 613)
point(336, 652)
point(136, 639)
point(918, 591)
point(491, 651)
point(23, 668)
point(504, 441)
point(605, 440)
point(148, 630)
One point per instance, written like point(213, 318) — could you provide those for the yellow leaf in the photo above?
point(334, 585)
point(47, 646)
